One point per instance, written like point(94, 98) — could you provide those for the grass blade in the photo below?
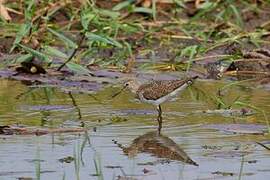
point(63, 38)
point(77, 68)
point(23, 31)
point(154, 10)
point(237, 14)
point(36, 53)
point(241, 168)
point(143, 10)
point(54, 52)
point(37, 165)
point(102, 39)
point(24, 58)
point(122, 5)
point(86, 17)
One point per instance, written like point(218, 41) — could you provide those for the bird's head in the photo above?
point(132, 85)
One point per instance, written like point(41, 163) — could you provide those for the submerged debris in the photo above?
point(113, 167)
point(118, 119)
point(16, 130)
point(25, 178)
point(67, 159)
point(126, 178)
point(256, 63)
point(247, 64)
point(62, 81)
point(47, 108)
point(223, 173)
point(227, 154)
point(239, 128)
point(230, 112)
point(212, 147)
point(152, 163)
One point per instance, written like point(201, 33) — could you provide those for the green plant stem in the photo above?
point(241, 168)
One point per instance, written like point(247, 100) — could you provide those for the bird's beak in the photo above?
point(119, 92)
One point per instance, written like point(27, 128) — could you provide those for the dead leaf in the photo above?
point(4, 12)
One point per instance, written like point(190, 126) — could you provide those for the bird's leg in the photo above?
point(159, 118)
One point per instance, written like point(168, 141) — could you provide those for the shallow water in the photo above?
point(115, 123)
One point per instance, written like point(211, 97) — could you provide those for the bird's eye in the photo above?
point(126, 84)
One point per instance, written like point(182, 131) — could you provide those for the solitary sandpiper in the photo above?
point(158, 91)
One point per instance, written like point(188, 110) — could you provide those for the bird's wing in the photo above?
point(158, 89)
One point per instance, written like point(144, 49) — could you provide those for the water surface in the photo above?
point(114, 124)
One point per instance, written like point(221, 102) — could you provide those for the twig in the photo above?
point(199, 40)
point(211, 57)
point(73, 53)
point(261, 144)
point(75, 105)
point(242, 73)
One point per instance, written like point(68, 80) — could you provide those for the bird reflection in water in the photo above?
point(158, 145)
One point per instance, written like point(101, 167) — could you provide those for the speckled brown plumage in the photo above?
point(157, 89)
point(158, 92)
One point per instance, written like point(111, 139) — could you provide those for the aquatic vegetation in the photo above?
point(37, 165)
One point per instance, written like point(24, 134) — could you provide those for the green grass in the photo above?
point(110, 27)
